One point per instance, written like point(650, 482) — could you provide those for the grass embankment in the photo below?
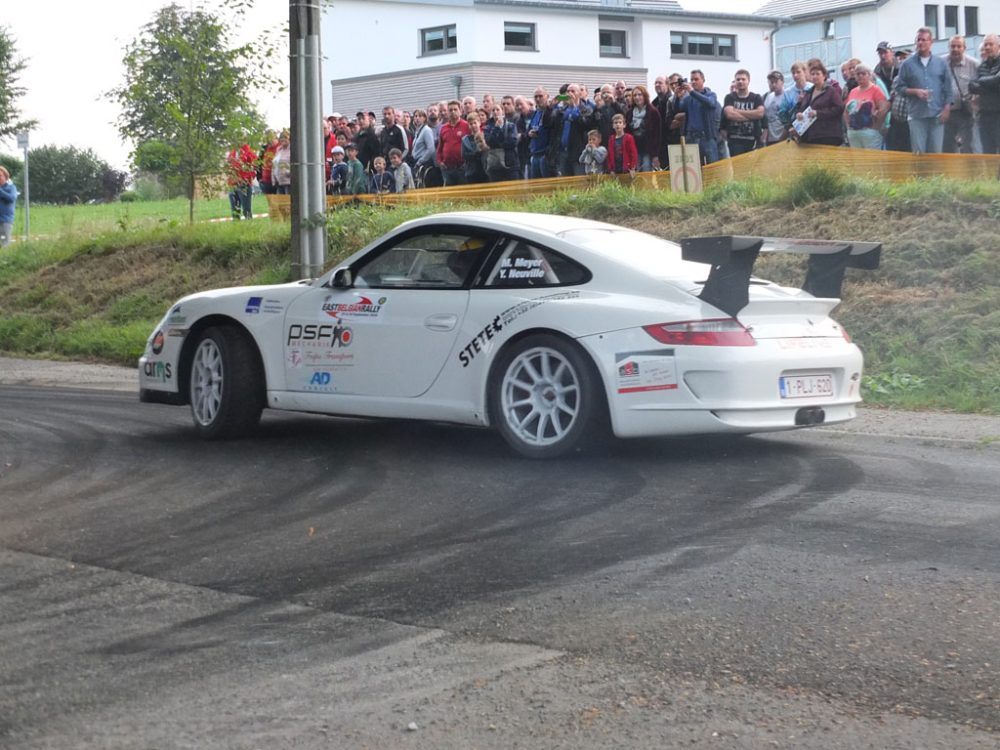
point(928, 319)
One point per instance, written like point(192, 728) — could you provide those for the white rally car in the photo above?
point(548, 328)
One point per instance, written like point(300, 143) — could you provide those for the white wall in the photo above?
point(369, 37)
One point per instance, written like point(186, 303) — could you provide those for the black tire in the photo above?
point(226, 386)
point(545, 398)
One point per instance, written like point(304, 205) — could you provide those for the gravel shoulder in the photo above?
point(975, 429)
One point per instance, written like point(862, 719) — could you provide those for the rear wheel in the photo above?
point(226, 385)
point(545, 399)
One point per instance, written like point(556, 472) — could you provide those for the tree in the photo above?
point(186, 97)
point(11, 67)
point(68, 175)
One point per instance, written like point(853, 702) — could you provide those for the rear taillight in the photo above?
point(713, 332)
point(845, 334)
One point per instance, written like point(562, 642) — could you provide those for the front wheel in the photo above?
point(545, 399)
point(226, 385)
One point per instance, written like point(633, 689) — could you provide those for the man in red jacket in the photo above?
point(242, 163)
point(449, 148)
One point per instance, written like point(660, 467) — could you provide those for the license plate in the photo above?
point(806, 386)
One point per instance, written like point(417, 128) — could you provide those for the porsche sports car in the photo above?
point(551, 329)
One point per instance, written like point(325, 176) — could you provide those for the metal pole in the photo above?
point(308, 163)
point(27, 196)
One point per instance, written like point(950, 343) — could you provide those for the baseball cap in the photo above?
point(337, 115)
point(776, 75)
point(336, 150)
point(352, 146)
point(882, 46)
point(902, 53)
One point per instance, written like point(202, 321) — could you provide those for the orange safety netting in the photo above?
point(778, 163)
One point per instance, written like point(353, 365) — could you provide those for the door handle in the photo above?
point(441, 322)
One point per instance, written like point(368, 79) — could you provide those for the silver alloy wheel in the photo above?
point(540, 396)
point(206, 382)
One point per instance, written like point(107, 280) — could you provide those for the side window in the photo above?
point(522, 264)
point(434, 260)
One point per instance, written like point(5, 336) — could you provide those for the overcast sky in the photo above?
point(74, 53)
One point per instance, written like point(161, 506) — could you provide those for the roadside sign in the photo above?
point(22, 140)
point(685, 168)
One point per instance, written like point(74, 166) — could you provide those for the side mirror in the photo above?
point(342, 279)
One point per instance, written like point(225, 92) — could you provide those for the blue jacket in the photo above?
point(699, 107)
point(936, 76)
point(8, 197)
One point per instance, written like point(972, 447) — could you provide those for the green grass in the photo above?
point(928, 320)
point(48, 221)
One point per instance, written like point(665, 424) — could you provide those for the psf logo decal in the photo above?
point(363, 308)
point(314, 335)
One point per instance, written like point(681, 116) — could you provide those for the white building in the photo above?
point(837, 30)
point(407, 54)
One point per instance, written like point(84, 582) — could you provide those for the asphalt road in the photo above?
point(352, 584)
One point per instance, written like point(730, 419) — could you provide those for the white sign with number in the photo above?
point(22, 140)
point(685, 168)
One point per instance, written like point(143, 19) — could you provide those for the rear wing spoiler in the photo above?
point(732, 258)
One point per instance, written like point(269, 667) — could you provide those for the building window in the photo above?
point(439, 40)
point(612, 42)
point(519, 36)
point(707, 46)
point(971, 20)
point(931, 19)
point(950, 21)
point(829, 28)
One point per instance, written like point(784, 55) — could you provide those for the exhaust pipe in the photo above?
point(809, 415)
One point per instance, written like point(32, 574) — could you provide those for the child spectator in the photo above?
point(402, 175)
point(356, 181)
point(594, 155)
point(622, 154)
point(339, 172)
point(381, 182)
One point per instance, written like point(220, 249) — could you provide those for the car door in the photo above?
point(391, 332)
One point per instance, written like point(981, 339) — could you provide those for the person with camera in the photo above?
point(698, 103)
point(958, 138)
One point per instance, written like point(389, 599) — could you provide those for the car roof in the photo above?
point(553, 224)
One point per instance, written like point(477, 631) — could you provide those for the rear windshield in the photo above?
point(639, 250)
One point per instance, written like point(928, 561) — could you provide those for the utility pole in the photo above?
point(22, 143)
point(308, 163)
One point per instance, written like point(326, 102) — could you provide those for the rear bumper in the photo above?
point(701, 389)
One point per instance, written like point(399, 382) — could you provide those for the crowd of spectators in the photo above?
point(905, 102)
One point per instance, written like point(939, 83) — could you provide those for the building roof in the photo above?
point(629, 7)
point(608, 5)
point(803, 8)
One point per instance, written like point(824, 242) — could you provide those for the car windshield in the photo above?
point(639, 250)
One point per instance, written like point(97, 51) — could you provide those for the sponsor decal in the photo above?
point(157, 345)
point(177, 332)
point(313, 335)
point(629, 369)
point(523, 268)
point(363, 308)
point(256, 305)
point(320, 381)
point(296, 358)
point(175, 318)
point(480, 342)
point(639, 372)
point(161, 371)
